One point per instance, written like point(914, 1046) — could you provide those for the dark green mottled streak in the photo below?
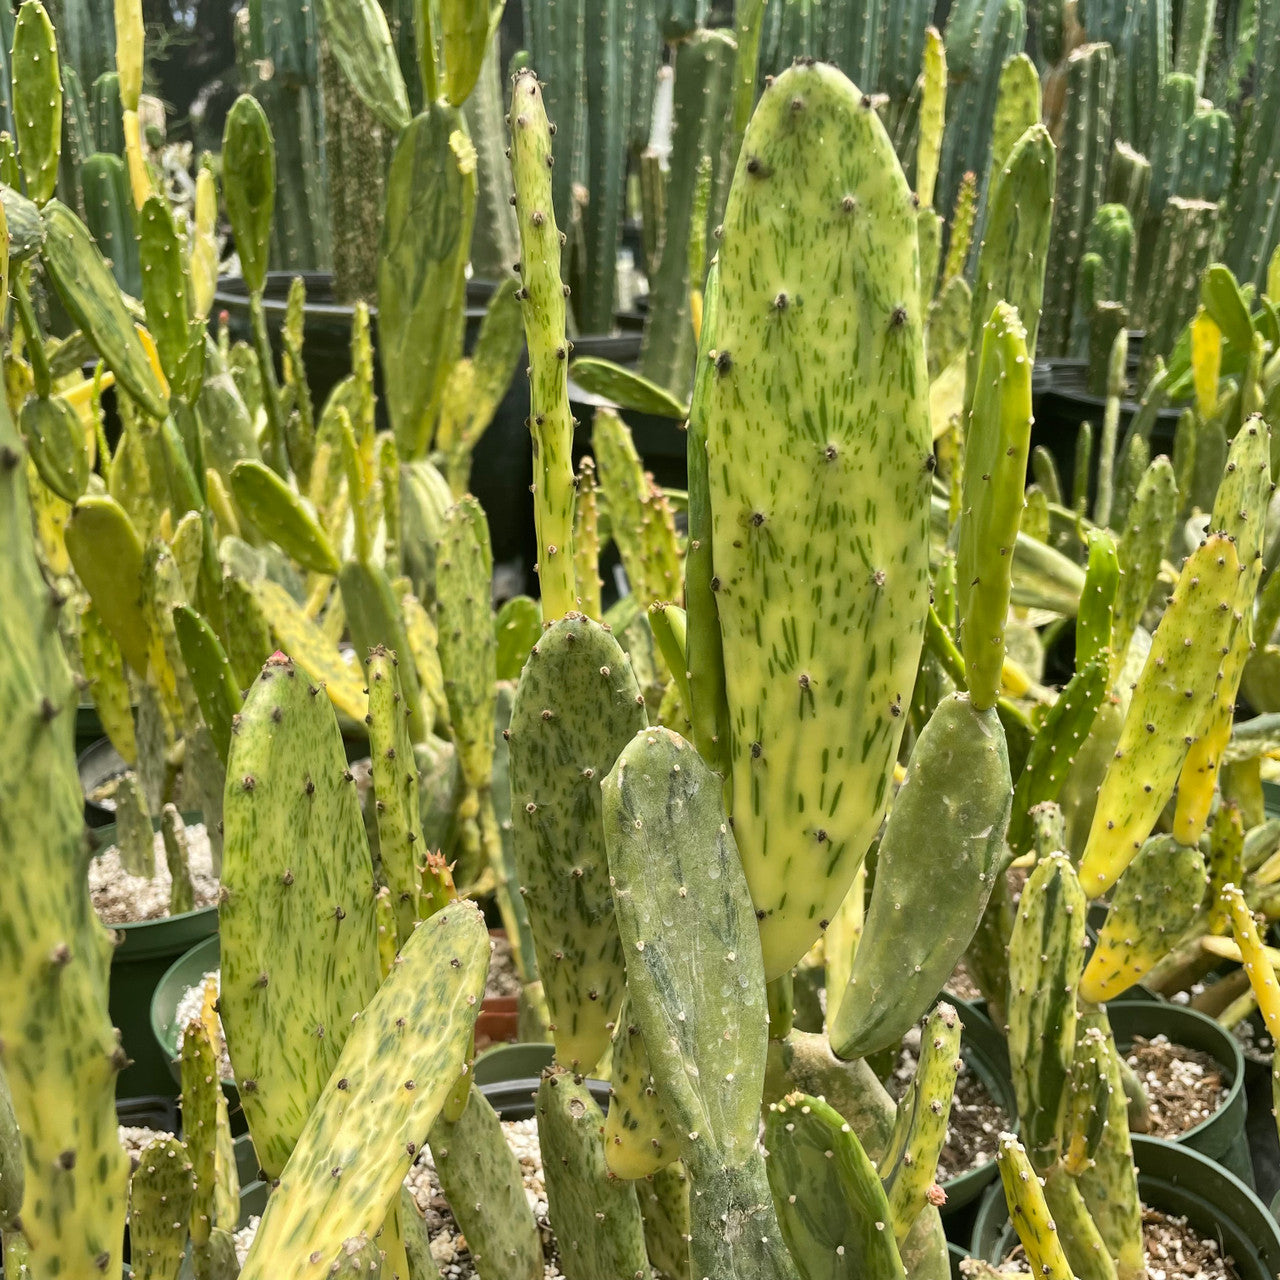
point(297, 921)
point(576, 708)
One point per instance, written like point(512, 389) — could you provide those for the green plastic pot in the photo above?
point(509, 1075)
point(1222, 1136)
point(1179, 1181)
point(146, 950)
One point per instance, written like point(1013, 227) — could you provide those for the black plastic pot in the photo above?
point(146, 950)
point(99, 763)
point(509, 1076)
point(1179, 1181)
point(1222, 1136)
point(88, 726)
point(1061, 401)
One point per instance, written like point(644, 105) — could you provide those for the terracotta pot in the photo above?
point(499, 1015)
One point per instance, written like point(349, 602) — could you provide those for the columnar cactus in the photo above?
point(846, 265)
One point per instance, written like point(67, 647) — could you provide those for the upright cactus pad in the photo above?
point(403, 1054)
point(161, 1192)
point(395, 785)
point(543, 295)
point(58, 1050)
point(937, 864)
point(577, 707)
point(1171, 701)
point(828, 1195)
point(297, 919)
point(1155, 902)
point(909, 1165)
point(695, 976)
point(1029, 1212)
point(997, 441)
point(596, 1217)
point(482, 1180)
point(819, 514)
point(1046, 958)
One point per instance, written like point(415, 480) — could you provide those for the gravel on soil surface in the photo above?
point(1174, 1251)
point(1184, 1086)
point(121, 898)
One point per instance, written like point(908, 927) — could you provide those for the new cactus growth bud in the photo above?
point(296, 866)
point(955, 801)
point(1155, 902)
point(784, 501)
point(577, 706)
point(544, 312)
point(695, 976)
point(174, 833)
point(586, 542)
point(282, 515)
point(832, 1208)
point(909, 1165)
point(401, 1057)
point(595, 1216)
point(1186, 654)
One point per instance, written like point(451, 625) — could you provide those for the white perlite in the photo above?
point(448, 1247)
point(121, 898)
point(189, 1007)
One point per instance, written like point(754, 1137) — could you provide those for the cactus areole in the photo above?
point(818, 458)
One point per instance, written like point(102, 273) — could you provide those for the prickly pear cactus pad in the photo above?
point(58, 1050)
point(403, 1055)
point(297, 919)
point(818, 453)
point(577, 706)
point(695, 978)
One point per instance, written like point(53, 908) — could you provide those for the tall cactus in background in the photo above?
point(1142, 52)
point(703, 71)
point(280, 51)
point(57, 1047)
point(817, 160)
point(1254, 204)
point(980, 37)
point(1082, 165)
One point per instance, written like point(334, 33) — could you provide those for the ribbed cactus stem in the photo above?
point(543, 295)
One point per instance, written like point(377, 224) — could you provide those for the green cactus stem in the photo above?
point(296, 866)
point(543, 296)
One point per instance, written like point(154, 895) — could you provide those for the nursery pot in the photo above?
point(1179, 1181)
point(1221, 1137)
point(98, 764)
point(1061, 401)
point(147, 949)
point(183, 974)
point(509, 1077)
point(88, 726)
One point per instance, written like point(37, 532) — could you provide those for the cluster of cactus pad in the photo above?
point(816, 735)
